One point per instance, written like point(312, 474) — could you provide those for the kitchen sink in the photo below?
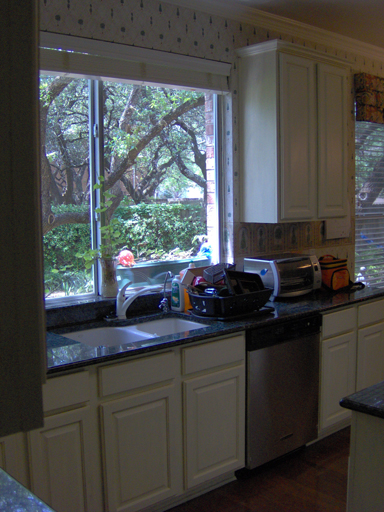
point(109, 336)
point(166, 326)
point(133, 334)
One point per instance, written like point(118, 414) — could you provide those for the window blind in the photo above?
point(369, 226)
point(111, 61)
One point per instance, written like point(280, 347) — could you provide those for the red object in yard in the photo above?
point(126, 258)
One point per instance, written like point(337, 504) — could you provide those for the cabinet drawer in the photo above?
point(65, 391)
point(370, 313)
point(138, 373)
point(212, 354)
point(338, 322)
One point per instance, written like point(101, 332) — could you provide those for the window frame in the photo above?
point(180, 72)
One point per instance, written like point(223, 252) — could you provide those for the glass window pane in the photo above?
point(159, 162)
point(369, 230)
point(64, 122)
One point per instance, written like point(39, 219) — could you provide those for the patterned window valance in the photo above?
point(369, 95)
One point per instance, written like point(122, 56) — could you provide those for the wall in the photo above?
point(161, 26)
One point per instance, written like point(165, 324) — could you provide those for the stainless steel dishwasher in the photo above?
point(282, 388)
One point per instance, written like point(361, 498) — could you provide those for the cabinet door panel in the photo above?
point(298, 138)
point(60, 454)
point(370, 356)
point(338, 362)
point(14, 458)
point(140, 449)
point(214, 416)
point(332, 166)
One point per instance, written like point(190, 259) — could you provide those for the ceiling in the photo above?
point(357, 19)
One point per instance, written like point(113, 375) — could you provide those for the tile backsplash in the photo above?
point(258, 240)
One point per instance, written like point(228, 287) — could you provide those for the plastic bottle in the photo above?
point(187, 302)
point(177, 294)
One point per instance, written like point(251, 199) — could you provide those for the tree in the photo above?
point(151, 135)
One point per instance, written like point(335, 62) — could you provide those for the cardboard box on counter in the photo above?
point(191, 273)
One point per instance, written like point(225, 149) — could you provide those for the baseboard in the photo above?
point(325, 432)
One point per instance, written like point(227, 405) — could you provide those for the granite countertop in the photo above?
point(14, 496)
point(65, 354)
point(368, 401)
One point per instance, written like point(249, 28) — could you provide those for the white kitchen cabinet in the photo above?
point(292, 134)
point(65, 453)
point(142, 433)
point(214, 409)
point(370, 345)
point(332, 109)
point(14, 457)
point(121, 437)
point(337, 367)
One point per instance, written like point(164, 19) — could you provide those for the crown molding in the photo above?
point(272, 22)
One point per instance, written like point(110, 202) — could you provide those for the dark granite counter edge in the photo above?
point(368, 401)
point(78, 355)
point(14, 496)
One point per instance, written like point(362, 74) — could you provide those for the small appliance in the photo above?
point(288, 275)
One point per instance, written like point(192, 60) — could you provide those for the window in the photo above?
point(369, 231)
point(117, 151)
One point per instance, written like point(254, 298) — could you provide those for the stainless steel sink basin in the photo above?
point(108, 336)
point(133, 334)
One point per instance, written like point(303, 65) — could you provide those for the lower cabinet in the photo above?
point(170, 422)
point(352, 358)
point(370, 345)
point(14, 457)
point(61, 458)
point(370, 356)
point(64, 455)
point(141, 452)
point(338, 366)
point(214, 424)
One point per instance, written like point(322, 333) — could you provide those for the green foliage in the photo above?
point(112, 240)
point(154, 230)
point(63, 272)
point(150, 231)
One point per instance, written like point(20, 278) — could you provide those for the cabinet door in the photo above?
point(298, 138)
point(214, 424)
point(61, 462)
point(338, 363)
point(142, 449)
point(14, 458)
point(370, 356)
point(332, 140)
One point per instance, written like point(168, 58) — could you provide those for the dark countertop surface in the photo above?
point(368, 401)
point(14, 496)
point(65, 354)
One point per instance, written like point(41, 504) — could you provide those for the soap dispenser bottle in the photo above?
point(177, 294)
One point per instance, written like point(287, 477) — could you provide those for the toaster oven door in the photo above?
point(295, 276)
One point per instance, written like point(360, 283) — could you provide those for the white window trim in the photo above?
point(105, 60)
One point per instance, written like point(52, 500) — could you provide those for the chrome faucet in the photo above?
point(164, 301)
point(122, 303)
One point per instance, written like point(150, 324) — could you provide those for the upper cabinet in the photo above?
point(292, 134)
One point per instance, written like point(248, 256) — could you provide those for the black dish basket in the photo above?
point(233, 305)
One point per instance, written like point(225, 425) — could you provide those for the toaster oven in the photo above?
point(288, 276)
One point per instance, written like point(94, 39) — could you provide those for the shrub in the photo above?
point(151, 231)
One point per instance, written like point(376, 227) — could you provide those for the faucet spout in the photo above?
point(123, 304)
point(164, 302)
